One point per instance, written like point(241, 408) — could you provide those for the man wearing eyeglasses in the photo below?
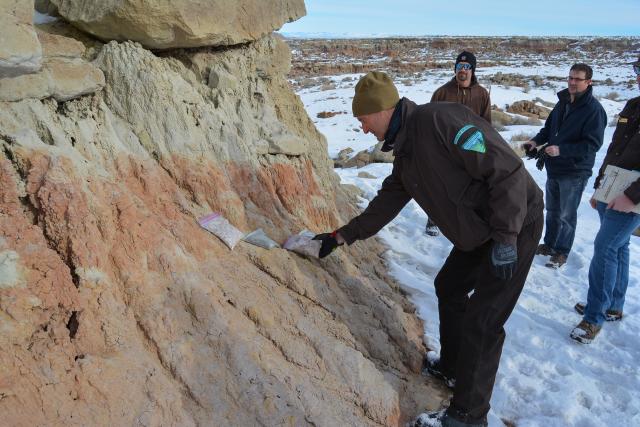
point(463, 89)
point(609, 269)
point(573, 133)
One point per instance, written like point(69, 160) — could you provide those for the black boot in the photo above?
point(432, 367)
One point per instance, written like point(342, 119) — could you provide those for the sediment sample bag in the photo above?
point(218, 225)
point(304, 244)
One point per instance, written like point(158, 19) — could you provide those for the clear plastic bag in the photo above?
point(303, 244)
point(218, 225)
point(259, 238)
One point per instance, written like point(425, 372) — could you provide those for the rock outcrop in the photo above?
point(167, 24)
point(529, 109)
point(117, 309)
point(20, 50)
point(409, 55)
point(373, 155)
point(62, 79)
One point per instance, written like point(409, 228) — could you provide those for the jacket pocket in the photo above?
point(621, 128)
point(476, 198)
point(472, 229)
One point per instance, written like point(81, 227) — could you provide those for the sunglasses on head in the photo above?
point(460, 66)
point(636, 69)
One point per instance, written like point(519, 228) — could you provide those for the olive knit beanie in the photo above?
point(375, 92)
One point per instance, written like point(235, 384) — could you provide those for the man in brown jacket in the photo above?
point(463, 89)
point(464, 175)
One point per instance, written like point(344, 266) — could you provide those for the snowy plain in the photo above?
point(545, 379)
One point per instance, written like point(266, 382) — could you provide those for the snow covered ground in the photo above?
point(545, 379)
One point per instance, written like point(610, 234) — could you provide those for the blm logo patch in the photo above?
point(470, 138)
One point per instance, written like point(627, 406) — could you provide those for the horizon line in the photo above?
point(323, 35)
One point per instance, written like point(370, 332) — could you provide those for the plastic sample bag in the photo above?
point(303, 244)
point(218, 225)
point(260, 238)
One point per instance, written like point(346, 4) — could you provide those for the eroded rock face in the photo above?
point(20, 50)
point(64, 74)
point(118, 309)
point(166, 24)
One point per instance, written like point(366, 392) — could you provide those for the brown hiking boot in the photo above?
point(610, 315)
point(585, 332)
point(557, 261)
point(544, 250)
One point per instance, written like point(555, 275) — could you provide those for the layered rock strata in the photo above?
point(20, 50)
point(116, 308)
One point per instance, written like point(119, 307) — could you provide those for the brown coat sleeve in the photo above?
point(504, 174)
point(438, 95)
point(486, 108)
point(387, 204)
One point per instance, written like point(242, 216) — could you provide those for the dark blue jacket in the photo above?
point(578, 131)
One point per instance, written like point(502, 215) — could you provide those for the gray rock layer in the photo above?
point(20, 50)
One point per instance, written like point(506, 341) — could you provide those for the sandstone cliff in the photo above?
point(117, 309)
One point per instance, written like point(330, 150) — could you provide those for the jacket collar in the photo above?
point(474, 82)
point(565, 97)
point(407, 108)
point(394, 127)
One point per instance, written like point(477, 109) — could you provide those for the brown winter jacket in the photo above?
point(624, 150)
point(475, 97)
point(461, 173)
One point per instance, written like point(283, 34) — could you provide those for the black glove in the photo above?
point(530, 150)
point(541, 156)
point(329, 243)
point(503, 259)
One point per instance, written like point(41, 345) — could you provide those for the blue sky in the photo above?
point(467, 17)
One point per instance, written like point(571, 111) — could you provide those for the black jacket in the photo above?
point(578, 131)
point(624, 150)
point(460, 172)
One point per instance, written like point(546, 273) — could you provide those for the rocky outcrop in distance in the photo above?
point(405, 55)
point(117, 309)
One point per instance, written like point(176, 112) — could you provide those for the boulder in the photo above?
point(529, 109)
point(20, 50)
point(46, 7)
point(379, 156)
point(165, 24)
point(366, 175)
point(364, 157)
point(286, 143)
point(56, 46)
point(500, 118)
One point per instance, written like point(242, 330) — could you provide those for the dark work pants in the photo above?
point(472, 327)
